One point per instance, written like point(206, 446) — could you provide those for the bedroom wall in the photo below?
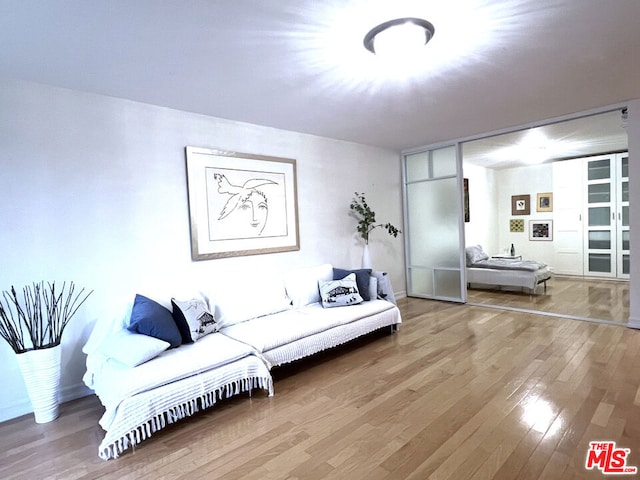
point(482, 229)
point(94, 191)
point(524, 181)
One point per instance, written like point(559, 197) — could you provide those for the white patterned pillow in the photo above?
point(193, 318)
point(340, 293)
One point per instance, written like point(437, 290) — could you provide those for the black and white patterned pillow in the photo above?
point(193, 318)
point(340, 293)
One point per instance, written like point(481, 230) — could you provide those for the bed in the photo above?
point(503, 272)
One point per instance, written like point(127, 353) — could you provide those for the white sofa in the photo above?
point(145, 385)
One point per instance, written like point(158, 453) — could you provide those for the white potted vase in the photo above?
point(41, 373)
point(32, 325)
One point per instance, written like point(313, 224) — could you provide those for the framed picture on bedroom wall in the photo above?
point(520, 205)
point(241, 204)
point(541, 230)
point(544, 202)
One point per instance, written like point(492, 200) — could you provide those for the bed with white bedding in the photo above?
point(482, 269)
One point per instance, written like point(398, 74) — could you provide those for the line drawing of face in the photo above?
point(255, 207)
point(248, 204)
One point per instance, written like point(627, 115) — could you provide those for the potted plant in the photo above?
point(33, 327)
point(367, 223)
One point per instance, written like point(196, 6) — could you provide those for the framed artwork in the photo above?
point(540, 229)
point(516, 225)
point(520, 205)
point(544, 202)
point(241, 204)
point(467, 214)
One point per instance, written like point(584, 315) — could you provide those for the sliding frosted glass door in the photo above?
point(433, 224)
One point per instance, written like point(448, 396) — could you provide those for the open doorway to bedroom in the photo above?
point(555, 194)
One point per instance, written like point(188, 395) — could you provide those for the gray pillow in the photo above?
point(475, 254)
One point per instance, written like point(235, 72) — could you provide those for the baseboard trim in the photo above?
point(634, 323)
point(23, 407)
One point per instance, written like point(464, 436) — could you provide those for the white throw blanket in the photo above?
point(142, 400)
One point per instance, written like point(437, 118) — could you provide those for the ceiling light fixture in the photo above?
point(399, 35)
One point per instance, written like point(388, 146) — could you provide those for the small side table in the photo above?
point(505, 256)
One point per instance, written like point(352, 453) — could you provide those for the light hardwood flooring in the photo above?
point(459, 392)
point(595, 299)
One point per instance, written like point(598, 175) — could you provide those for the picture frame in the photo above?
point(544, 202)
point(541, 230)
point(467, 213)
point(241, 204)
point(516, 225)
point(520, 205)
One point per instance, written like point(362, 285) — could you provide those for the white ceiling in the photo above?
point(579, 137)
point(300, 64)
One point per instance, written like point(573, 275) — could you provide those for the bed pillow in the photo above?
point(151, 318)
point(302, 284)
point(247, 299)
point(132, 349)
point(362, 279)
point(475, 254)
point(385, 292)
point(373, 287)
point(193, 318)
point(340, 293)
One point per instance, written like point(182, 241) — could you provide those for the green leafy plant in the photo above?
point(367, 218)
point(40, 317)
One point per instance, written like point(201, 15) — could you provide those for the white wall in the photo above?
point(483, 227)
point(94, 191)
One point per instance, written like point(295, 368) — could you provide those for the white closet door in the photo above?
point(622, 212)
point(568, 244)
point(600, 241)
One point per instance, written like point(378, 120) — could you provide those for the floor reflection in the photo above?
point(606, 300)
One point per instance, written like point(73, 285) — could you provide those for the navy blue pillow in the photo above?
point(362, 279)
point(181, 323)
point(152, 319)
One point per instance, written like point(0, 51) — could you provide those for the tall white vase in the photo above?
point(366, 257)
point(41, 373)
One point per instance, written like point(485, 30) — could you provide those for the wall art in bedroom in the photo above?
point(467, 213)
point(540, 229)
point(241, 204)
point(520, 205)
point(544, 202)
point(516, 225)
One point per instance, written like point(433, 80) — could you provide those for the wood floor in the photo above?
point(459, 392)
point(595, 299)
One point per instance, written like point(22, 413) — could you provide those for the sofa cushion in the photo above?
point(362, 279)
point(132, 349)
point(151, 318)
point(340, 293)
point(292, 325)
point(302, 284)
point(193, 318)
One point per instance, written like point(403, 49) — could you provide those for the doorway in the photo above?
point(521, 164)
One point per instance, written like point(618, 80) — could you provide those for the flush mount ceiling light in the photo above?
point(399, 35)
